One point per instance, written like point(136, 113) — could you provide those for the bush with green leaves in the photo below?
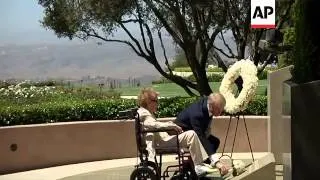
point(63, 111)
point(215, 77)
point(218, 73)
point(84, 110)
point(264, 74)
point(188, 69)
point(259, 106)
point(211, 78)
point(29, 83)
point(285, 59)
point(162, 80)
point(22, 94)
point(22, 91)
point(306, 55)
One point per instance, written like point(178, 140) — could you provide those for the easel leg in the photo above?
point(235, 135)
point(245, 125)
point(225, 140)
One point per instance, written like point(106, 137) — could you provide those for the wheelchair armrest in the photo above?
point(167, 129)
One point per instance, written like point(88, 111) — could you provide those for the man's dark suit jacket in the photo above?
point(196, 117)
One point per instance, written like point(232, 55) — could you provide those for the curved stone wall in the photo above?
point(45, 145)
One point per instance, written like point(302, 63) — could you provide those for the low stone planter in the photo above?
point(45, 145)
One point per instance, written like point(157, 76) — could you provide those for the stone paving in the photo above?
point(121, 169)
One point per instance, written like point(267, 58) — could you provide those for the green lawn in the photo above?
point(171, 89)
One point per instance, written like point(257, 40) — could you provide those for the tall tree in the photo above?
point(193, 25)
point(307, 43)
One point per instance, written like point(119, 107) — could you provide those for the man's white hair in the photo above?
point(217, 99)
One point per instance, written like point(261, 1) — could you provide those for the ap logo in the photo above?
point(263, 14)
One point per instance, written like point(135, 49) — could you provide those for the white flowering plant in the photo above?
point(21, 90)
point(248, 71)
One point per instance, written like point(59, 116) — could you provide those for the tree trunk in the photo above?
point(203, 83)
point(241, 49)
point(198, 71)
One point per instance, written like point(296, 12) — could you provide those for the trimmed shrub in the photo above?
point(215, 77)
point(188, 69)
point(211, 78)
point(161, 81)
point(259, 106)
point(84, 110)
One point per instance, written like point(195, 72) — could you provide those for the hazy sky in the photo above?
point(19, 23)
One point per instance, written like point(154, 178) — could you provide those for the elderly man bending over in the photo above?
point(198, 117)
point(148, 102)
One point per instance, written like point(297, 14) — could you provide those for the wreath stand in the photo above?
point(248, 71)
point(237, 117)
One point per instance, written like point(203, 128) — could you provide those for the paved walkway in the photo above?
point(119, 169)
point(81, 169)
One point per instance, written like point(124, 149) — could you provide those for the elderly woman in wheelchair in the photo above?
point(155, 138)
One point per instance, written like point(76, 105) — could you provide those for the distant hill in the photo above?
point(75, 61)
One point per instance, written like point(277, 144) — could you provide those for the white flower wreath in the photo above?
point(248, 71)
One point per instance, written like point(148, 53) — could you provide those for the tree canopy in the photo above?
point(193, 25)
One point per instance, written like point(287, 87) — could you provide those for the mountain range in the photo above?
point(78, 60)
point(74, 61)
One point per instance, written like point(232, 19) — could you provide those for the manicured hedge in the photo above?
point(211, 78)
point(218, 77)
point(188, 69)
point(77, 110)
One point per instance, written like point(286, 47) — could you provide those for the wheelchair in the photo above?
point(147, 169)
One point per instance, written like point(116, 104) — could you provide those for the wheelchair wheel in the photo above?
point(192, 174)
point(151, 165)
point(184, 176)
point(178, 177)
point(187, 173)
point(143, 173)
point(181, 177)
